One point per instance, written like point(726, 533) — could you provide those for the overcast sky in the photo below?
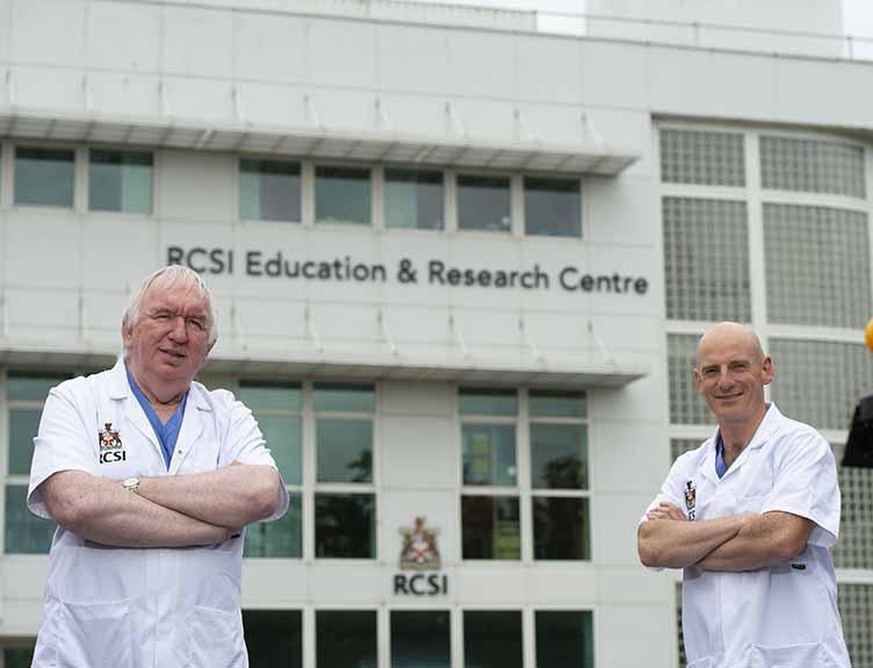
point(857, 14)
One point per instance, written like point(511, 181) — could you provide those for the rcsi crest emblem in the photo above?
point(111, 447)
point(420, 551)
point(691, 499)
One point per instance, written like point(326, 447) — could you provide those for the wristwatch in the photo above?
point(131, 484)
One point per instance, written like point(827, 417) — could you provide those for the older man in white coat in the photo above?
point(151, 478)
point(750, 516)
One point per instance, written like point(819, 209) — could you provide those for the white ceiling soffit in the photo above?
point(579, 376)
point(590, 158)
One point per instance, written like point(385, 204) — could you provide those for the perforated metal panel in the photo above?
point(820, 382)
point(686, 406)
point(706, 158)
point(811, 165)
point(706, 259)
point(856, 610)
point(818, 265)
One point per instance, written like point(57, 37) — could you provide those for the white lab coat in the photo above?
point(140, 608)
point(785, 615)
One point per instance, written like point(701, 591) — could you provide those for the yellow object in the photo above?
point(868, 334)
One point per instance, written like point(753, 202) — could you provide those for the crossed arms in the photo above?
point(743, 542)
point(173, 511)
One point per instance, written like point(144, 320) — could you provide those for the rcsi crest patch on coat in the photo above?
point(691, 499)
point(111, 447)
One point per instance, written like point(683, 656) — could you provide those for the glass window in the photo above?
point(345, 638)
point(488, 402)
point(345, 450)
point(120, 181)
point(44, 176)
point(25, 533)
point(702, 158)
point(812, 165)
point(490, 527)
point(565, 639)
point(489, 454)
point(342, 195)
point(483, 203)
point(547, 403)
point(552, 207)
point(561, 528)
point(420, 638)
point(706, 259)
point(269, 190)
point(559, 456)
point(277, 410)
point(282, 538)
point(344, 398)
point(345, 526)
point(17, 657)
point(344, 433)
point(413, 199)
point(817, 260)
point(493, 639)
point(274, 637)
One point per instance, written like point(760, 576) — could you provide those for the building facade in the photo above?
point(461, 264)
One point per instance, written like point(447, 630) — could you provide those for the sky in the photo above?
point(857, 14)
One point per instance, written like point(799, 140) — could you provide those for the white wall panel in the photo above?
point(197, 41)
point(629, 455)
point(614, 74)
point(48, 32)
point(481, 64)
point(341, 53)
point(654, 636)
point(419, 453)
point(123, 36)
point(112, 246)
point(548, 71)
point(272, 105)
point(407, 399)
point(43, 249)
point(270, 48)
point(197, 100)
point(614, 531)
point(47, 89)
point(195, 186)
point(130, 95)
point(414, 59)
point(618, 211)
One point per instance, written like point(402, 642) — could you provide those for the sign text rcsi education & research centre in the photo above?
point(276, 264)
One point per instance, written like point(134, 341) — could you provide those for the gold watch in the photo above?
point(131, 484)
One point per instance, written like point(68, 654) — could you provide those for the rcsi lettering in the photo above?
point(202, 260)
point(420, 584)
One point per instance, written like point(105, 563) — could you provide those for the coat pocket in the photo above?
point(93, 634)
point(215, 639)
point(790, 656)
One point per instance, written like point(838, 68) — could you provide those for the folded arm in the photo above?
point(668, 540)
point(764, 541)
point(102, 511)
point(230, 497)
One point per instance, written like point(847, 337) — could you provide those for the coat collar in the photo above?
point(765, 431)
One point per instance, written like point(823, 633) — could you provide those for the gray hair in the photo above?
point(174, 275)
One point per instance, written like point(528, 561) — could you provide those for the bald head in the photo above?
point(730, 334)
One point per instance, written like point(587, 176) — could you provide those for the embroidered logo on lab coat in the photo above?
point(111, 447)
point(691, 499)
